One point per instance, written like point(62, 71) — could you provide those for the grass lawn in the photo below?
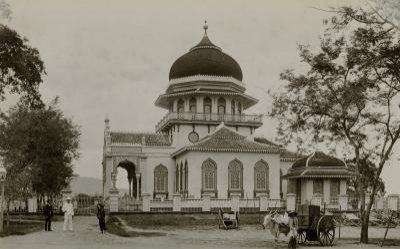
point(21, 228)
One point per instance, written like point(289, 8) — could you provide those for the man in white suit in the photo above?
point(68, 209)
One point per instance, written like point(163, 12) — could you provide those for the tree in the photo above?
point(21, 68)
point(347, 94)
point(40, 143)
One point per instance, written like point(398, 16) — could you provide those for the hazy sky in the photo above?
point(113, 57)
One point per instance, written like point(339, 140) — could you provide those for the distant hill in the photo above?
point(86, 185)
point(89, 186)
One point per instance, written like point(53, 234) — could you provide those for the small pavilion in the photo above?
point(318, 179)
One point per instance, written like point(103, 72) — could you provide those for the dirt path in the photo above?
point(87, 236)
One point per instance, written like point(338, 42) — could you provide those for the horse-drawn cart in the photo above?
point(314, 226)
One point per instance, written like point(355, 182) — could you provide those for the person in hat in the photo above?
point(48, 214)
point(101, 216)
point(68, 209)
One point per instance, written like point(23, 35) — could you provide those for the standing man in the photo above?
point(48, 214)
point(101, 216)
point(68, 209)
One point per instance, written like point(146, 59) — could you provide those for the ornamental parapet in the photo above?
point(209, 118)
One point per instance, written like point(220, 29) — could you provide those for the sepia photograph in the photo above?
point(199, 124)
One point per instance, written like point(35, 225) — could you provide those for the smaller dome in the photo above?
point(318, 159)
point(205, 59)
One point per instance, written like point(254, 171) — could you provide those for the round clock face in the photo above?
point(193, 137)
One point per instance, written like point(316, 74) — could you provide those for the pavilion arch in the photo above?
point(192, 105)
point(261, 177)
point(209, 177)
point(160, 180)
point(207, 105)
point(235, 177)
point(221, 106)
point(181, 106)
point(131, 170)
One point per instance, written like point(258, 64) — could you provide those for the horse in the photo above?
point(271, 221)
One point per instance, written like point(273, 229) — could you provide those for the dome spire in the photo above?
point(205, 27)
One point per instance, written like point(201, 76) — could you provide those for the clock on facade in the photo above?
point(193, 137)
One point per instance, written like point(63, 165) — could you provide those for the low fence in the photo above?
point(192, 205)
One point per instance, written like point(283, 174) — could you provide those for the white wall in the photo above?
point(155, 157)
point(195, 160)
point(285, 167)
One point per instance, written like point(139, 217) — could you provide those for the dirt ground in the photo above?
point(86, 235)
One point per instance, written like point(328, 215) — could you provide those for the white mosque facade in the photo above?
point(203, 153)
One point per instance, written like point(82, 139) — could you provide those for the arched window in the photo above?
point(192, 105)
point(221, 106)
point(233, 107)
point(161, 179)
point(207, 105)
point(209, 176)
point(235, 176)
point(261, 173)
point(181, 105)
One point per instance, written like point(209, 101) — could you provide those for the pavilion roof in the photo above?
point(319, 165)
point(148, 139)
point(226, 140)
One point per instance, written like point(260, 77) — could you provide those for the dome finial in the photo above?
point(205, 27)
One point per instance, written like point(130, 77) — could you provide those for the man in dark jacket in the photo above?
point(101, 216)
point(48, 214)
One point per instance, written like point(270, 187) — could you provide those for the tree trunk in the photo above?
point(364, 228)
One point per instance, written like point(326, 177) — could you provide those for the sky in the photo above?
point(112, 58)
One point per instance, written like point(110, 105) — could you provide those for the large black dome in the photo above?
point(205, 59)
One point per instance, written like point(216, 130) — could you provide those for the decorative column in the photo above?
point(263, 201)
point(291, 202)
point(183, 179)
point(179, 179)
point(137, 185)
point(113, 193)
point(130, 186)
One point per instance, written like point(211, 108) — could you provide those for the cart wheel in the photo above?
point(326, 230)
point(301, 237)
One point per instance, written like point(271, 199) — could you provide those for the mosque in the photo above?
point(203, 153)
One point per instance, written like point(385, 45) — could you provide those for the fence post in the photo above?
point(176, 202)
point(235, 202)
point(343, 201)
point(263, 202)
point(146, 202)
point(32, 205)
point(206, 202)
point(291, 202)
